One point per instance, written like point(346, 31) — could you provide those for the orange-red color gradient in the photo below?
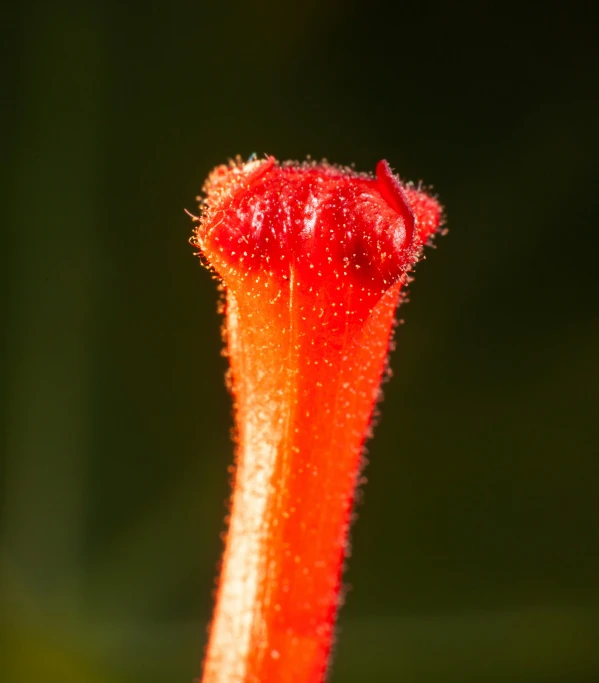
point(313, 258)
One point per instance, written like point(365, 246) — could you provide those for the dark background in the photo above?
point(476, 550)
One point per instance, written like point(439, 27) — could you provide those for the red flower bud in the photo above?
point(312, 258)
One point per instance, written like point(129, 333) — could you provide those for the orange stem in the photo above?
point(308, 340)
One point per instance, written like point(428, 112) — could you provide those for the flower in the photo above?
point(312, 258)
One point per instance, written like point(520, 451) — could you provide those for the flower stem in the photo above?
point(308, 320)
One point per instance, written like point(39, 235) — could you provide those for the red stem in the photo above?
point(310, 306)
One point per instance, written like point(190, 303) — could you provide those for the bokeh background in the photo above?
point(476, 548)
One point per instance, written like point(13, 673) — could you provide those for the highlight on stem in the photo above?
point(313, 258)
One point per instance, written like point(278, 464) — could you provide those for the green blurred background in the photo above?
point(476, 550)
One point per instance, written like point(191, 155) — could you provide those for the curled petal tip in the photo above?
point(318, 220)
